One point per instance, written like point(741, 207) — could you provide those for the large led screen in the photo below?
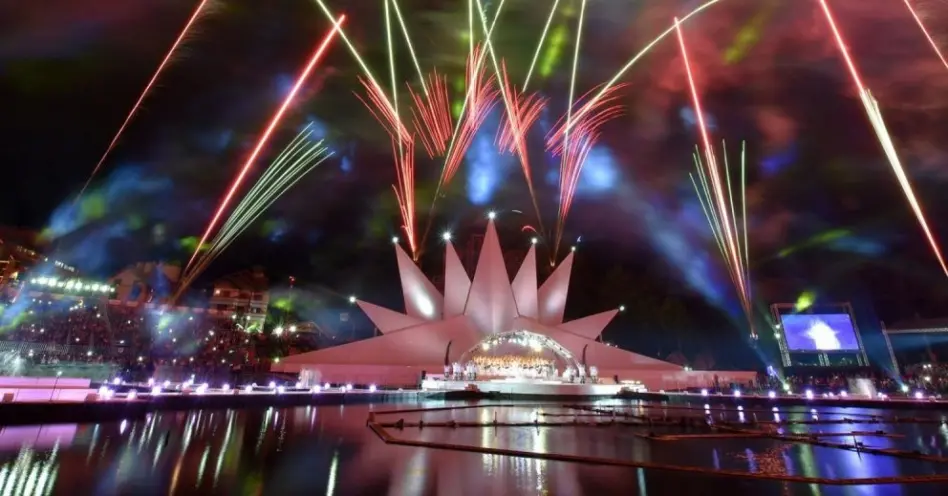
point(819, 332)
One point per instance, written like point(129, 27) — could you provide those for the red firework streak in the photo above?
point(405, 188)
point(432, 116)
point(271, 127)
point(151, 82)
point(928, 36)
point(482, 96)
point(522, 112)
point(584, 133)
point(403, 149)
point(383, 111)
point(897, 168)
point(718, 188)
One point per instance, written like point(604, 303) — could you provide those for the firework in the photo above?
point(294, 162)
point(405, 190)
point(432, 115)
point(928, 36)
point(523, 111)
point(641, 53)
point(481, 98)
point(724, 224)
point(384, 112)
point(536, 54)
point(198, 12)
point(587, 121)
point(874, 114)
point(718, 198)
point(271, 127)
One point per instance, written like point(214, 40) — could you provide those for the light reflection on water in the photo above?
point(329, 450)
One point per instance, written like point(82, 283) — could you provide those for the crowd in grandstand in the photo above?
point(142, 338)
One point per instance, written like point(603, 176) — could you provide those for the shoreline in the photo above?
point(122, 408)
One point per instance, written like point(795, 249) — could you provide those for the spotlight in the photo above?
point(280, 390)
point(621, 308)
point(348, 387)
point(315, 389)
point(572, 248)
point(326, 386)
point(491, 215)
point(737, 393)
point(155, 391)
point(248, 389)
point(704, 392)
point(919, 395)
point(132, 395)
point(771, 395)
point(809, 394)
point(352, 299)
point(225, 387)
point(446, 236)
point(843, 394)
point(533, 240)
point(395, 240)
point(372, 388)
point(272, 384)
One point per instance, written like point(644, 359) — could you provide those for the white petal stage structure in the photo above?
point(436, 330)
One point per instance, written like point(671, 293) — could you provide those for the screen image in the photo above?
point(819, 332)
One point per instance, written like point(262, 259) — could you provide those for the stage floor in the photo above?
point(529, 387)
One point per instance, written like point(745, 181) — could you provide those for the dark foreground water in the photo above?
point(329, 450)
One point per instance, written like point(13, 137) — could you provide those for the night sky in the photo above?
point(826, 214)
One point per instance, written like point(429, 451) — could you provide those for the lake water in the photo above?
point(330, 450)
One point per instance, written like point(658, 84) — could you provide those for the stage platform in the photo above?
point(520, 387)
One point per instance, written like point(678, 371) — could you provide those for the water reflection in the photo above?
point(329, 450)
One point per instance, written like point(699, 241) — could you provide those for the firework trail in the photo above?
point(586, 124)
point(295, 161)
point(481, 98)
point(514, 114)
point(719, 197)
point(638, 56)
point(271, 127)
point(707, 197)
point(384, 112)
point(522, 112)
point(370, 82)
point(432, 115)
point(202, 6)
point(405, 189)
point(928, 36)
point(885, 139)
point(536, 54)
